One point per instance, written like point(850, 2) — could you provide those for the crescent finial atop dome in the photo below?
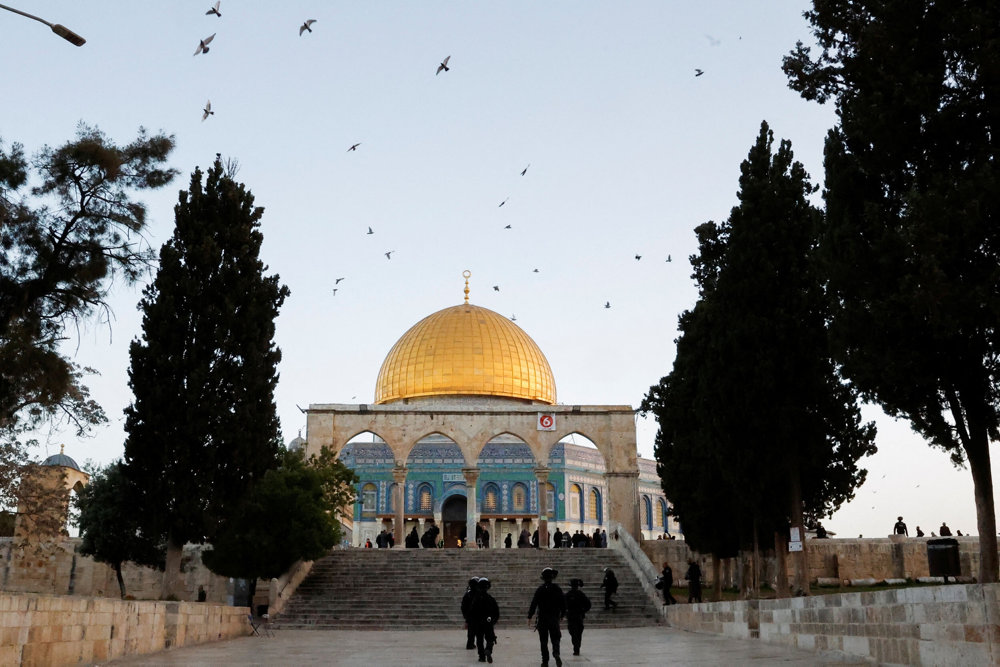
point(466, 275)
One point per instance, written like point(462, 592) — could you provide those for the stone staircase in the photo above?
point(402, 589)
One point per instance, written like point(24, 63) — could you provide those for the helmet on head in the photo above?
point(484, 584)
point(548, 574)
point(472, 582)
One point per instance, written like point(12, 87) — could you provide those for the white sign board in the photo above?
point(795, 546)
point(546, 421)
point(794, 535)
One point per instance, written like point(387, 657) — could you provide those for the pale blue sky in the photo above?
point(629, 151)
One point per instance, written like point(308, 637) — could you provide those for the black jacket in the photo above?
point(577, 605)
point(549, 602)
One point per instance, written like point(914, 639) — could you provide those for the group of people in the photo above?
point(559, 539)
point(900, 529)
point(549, 606)
point(666, 581)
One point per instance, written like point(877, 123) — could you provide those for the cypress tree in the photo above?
point(203, 426)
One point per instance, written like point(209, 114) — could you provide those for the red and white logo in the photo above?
point(546, 421)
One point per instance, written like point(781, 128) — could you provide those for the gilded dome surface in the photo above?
point(465, 350)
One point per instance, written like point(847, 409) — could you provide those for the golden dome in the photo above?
point(465, 350)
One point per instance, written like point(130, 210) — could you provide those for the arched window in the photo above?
point(519, 498)
point(550, 499)
point(594, 506)
point(490, 498)
point(647, 514)
point(575, 497)
point(426, 499)
point(663, 514)
point(368, 493)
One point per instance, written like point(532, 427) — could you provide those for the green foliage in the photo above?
point(203, 429)
point(755, 424)
point(62, 243)
point(290, 515)
point(110, 525)
point(912, 240)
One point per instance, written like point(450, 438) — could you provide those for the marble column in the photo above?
point(399, 476)
point(494, 538)
point(623, 501)
point(542, 475)
point(471, 513)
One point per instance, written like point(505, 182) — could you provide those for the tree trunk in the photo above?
point(978, 454)
point(716, 578)
point(121, 581)
point(781, 558)
point(799, 560)
point(172, 569)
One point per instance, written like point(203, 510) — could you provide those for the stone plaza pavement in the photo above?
point(516, 646)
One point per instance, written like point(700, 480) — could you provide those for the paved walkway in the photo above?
point(516, 646)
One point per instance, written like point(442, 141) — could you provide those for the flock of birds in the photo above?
point(203, 47)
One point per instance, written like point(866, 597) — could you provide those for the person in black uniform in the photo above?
point(483, 615)
point(694, 581)
point(610, 586)
point(470, 630)
point(577, 606)
point(667, 580)
point(551, 606)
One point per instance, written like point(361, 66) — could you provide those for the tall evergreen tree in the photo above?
point(203, 426)
point(913, 216)
point(785, 432)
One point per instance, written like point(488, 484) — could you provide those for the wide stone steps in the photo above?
point(423, 588)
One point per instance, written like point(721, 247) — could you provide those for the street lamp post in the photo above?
point(60, 30)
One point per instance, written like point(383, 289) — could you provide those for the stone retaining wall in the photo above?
point(938, 625)
point(62, 630)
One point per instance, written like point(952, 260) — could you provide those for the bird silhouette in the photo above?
point(388, 255)
point(503, 202)
point(335, 291)
point(513, 318)
point(203, 44)
point(507, 227)
point(496, 288)
point(370, 231)
point(215, 10)
point(535, 271)
point(698, 72)
point(638, 257)
point(305, 26)
point(443, 66)
point(337, 281)
point(207, 111)
point(607, 304)
point(525, 170)
point(712, 40)
point(354, 147)
point(669, 259)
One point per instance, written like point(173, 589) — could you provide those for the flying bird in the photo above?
point(354, 147)
point(698, 72)
point(305, 26)
point(669, 258)
point(203, 44)
point(535, 271)
point(513, 318)
point(443, 66)
point(215, 10)
point(638, 257)
point(525, 170)
point(607, 304)
point(335, 291)
point(337, 281)
point(388, 255)
point(503, 202)
point(496, 288)
point(207, 111)
point(507, 227)
point(370, 231)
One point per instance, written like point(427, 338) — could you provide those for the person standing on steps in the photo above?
point(470, 630)
point(610, 586)
point(577, 606)
point(484, 614)
point(551, 606)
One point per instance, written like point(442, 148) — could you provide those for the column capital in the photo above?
point(399, 474)
point(542, 473)
point(471, 475)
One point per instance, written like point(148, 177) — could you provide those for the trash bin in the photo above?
point(942, 558)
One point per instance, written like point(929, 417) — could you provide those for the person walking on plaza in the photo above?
point(610, 586)
point(577, 606)
point(551, 606)
point(900, 527)
point(693, 577)
point(666, 581)
point(470, 630)
point(483, 614)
